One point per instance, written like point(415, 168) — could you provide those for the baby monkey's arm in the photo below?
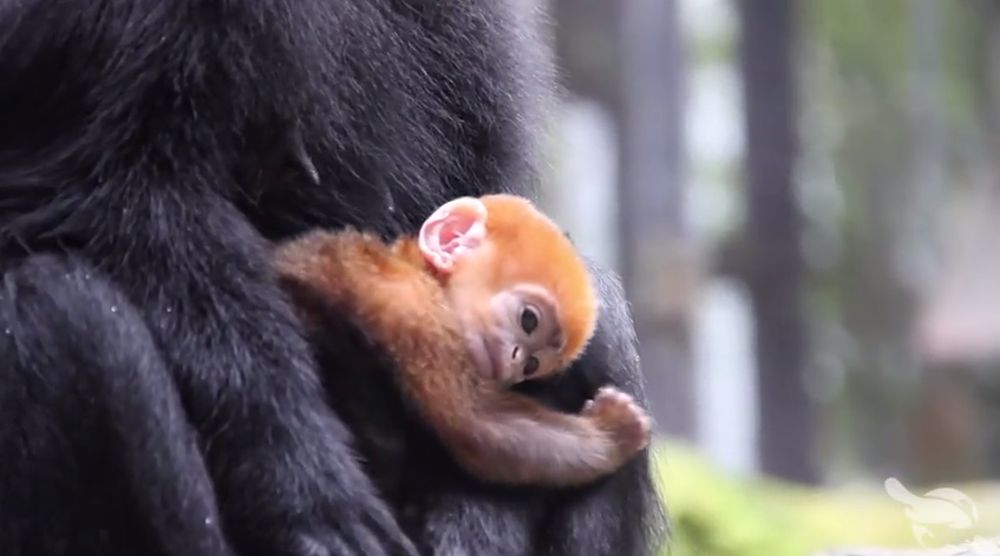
point(495, 434)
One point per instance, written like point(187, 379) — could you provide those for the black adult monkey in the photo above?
point(156, 394)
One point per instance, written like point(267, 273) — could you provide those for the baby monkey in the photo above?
point(490, 293)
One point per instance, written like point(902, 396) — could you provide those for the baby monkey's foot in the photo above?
point(618, 413)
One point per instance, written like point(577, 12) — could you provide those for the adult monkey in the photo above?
point(156, 394)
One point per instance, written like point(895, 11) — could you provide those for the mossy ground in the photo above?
point(716, 514)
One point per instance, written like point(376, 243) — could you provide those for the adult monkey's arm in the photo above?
point(157, 395)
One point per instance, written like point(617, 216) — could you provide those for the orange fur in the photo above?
point(536, 250)
point(495, 434)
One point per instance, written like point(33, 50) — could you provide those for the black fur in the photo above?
point(156, 394)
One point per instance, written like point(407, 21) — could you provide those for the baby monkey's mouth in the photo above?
point(487, 354)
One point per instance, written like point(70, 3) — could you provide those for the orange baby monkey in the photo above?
point(490, 293)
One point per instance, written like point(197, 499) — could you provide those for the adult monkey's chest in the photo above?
point(368, 139)
point(394, 110)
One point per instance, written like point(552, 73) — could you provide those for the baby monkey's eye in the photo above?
point(531, 366)
point(529, 320)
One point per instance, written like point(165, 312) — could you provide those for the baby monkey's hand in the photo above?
point(617, 413)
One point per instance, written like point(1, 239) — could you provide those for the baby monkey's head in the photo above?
point(522, 293)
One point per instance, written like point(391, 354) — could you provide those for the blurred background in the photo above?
point(803, 198)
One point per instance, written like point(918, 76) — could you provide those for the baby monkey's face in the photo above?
point(512, 324)
point(514, 336)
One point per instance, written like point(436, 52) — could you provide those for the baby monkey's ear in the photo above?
point(453, 230)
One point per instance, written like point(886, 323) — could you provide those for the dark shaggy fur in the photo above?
point(157, 396)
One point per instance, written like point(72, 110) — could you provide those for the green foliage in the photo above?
point(713, 515)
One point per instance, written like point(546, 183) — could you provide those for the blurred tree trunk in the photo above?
point(656, 260)
point(990, 391)
point(627, 55)
point(774, 266)
point(941, 444)
point(873, 279)
point(586, 47)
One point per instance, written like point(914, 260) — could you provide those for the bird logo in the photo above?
point(941, 507)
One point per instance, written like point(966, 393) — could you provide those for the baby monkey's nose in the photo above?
point(531, 362)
